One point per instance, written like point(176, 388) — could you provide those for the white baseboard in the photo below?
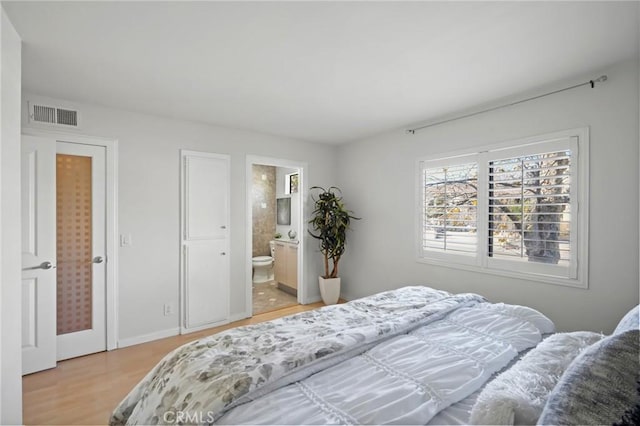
point(130, 341)
point(239, 316)
point(347, 297)
point(232, 318)
point(312, 299)
point(185, 330)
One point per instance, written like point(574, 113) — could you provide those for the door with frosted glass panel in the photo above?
point(80, 247)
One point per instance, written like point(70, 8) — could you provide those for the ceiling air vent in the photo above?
point(44, 114)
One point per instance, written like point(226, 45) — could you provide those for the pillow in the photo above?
point(600, 385)
point(518, 395)
point(631, 321)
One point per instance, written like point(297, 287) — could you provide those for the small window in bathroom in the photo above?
point(291, 183)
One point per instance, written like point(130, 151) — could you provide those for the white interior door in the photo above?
point(205, 239)
point(63, 239)
point(81, 227)
point(38, 186)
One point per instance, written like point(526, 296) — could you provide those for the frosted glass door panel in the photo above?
point(81, 244)
point(74, 243)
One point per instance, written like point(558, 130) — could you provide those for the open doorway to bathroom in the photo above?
point(276, 232)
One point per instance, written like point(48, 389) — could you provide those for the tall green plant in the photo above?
point(329, 225)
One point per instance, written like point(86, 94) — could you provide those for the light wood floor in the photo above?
point(85, 390)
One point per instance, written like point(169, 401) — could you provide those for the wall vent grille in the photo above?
point(44, 114)
point(52, 115)
point(67, 117)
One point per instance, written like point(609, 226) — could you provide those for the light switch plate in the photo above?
point(125, 240)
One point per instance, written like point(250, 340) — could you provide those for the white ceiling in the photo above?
point(321, 71)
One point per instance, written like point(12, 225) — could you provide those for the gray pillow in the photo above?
point(599, 385)
point(631, 321)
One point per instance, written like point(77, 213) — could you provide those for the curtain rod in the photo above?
point(591, 83)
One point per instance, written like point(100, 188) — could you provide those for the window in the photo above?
point(510, 209)
point(450, 204)
point(291, 183)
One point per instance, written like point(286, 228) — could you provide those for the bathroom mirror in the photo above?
point(284, 211)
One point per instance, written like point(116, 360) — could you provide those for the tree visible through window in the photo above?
point(529, 207)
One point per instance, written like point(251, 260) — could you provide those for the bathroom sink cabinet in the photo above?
point(279, 263)
point(286, 267)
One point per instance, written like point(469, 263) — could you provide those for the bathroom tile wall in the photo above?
point(264, 208)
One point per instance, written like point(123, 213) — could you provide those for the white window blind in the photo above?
point(530, 207)
point(510, 209)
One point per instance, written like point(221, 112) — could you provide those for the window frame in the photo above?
point(576, 274)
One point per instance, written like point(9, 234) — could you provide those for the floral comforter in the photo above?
point(221, 371)
point(214, 374)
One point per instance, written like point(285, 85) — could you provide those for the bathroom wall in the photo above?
point(281, 172)
point(264, 208)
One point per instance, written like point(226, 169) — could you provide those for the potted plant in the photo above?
point(329, 223)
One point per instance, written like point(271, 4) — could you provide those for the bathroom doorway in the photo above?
point(275, 241)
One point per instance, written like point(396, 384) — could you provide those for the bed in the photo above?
point(413, 355)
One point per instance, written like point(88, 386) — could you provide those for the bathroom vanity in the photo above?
point(286, 265)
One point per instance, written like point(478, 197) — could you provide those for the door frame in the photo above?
point(302, 235)
point(111, 216)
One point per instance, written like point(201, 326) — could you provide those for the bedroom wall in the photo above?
point(148, 206)
point(10, 250)
point(377, 179)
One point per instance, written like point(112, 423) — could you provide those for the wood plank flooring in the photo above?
point(85, 390)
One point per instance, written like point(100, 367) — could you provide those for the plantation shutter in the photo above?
point(530, 208)
point(449, 210)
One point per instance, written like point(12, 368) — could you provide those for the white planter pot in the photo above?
point(329, 290)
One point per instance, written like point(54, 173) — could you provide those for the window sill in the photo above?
point(581, 283)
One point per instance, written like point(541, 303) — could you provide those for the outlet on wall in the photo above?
point(168, 309)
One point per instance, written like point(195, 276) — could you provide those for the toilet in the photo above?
point(263, 266)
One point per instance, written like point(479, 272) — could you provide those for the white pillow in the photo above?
point(518, 395)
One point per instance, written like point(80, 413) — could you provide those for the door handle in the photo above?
point(43, 265)
point(98, 259)
point(46, 265)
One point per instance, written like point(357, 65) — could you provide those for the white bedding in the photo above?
point(458, 413)
point(408, 379)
